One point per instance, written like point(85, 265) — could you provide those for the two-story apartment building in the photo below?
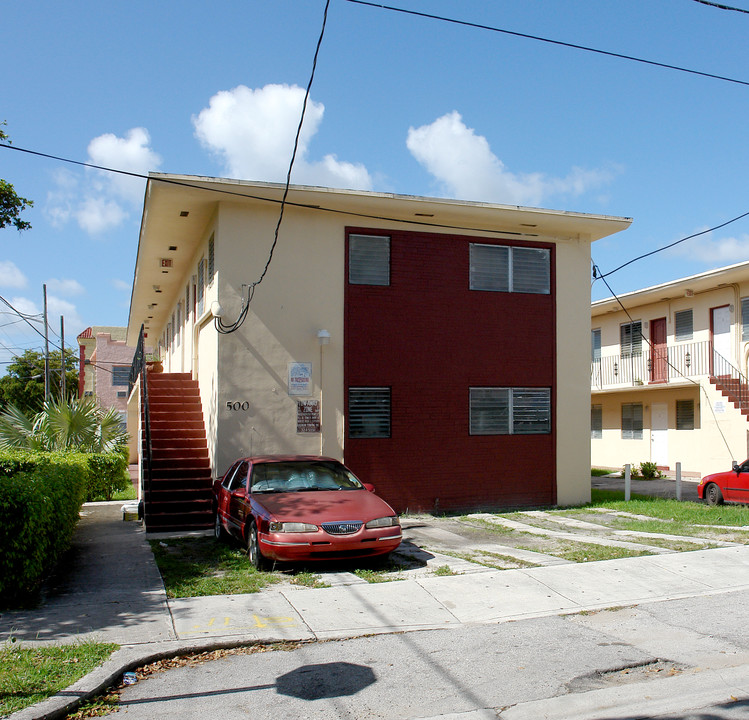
point(668, 376)
point(437, 347)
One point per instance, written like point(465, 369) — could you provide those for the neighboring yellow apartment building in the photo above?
point(668, 376)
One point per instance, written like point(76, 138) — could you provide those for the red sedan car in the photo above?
point(299, 508)
point(730, 486)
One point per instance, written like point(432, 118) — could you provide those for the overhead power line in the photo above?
point(550, 41)
point(722, 7)
point(596, 270)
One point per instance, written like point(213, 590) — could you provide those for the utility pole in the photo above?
point(46, 348)
point(62, 358)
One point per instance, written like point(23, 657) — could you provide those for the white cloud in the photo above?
point(65, 286)
point(131, 154)
point(11, 276)
point(715, 251)
point(97, 214)
point(253, 131)
point(99, 200)
point(118, 284)
point(466, 168)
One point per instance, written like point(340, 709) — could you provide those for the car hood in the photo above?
point(324, 506)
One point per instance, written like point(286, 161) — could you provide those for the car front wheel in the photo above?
point(713, 495)
point(253, 549)
point(218, 529)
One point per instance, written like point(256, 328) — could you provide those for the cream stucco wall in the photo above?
point(573, 381)
point(301, 294)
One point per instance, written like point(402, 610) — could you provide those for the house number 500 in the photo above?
point(238, 405)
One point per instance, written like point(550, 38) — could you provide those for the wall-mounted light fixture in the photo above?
point(323, 337)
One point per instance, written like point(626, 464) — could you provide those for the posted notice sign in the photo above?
point(308, 416)
point(300, 378)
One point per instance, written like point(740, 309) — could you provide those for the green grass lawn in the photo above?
point(30, 675)
point(194, 567)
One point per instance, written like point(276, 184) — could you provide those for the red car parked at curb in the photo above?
point(298, 508)
point(729, 486)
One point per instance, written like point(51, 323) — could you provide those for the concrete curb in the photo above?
point(121, 661)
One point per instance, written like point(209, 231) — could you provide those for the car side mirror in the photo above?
point(736, 467)
point(369, 487)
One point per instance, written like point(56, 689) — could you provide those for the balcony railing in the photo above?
point(659, 365)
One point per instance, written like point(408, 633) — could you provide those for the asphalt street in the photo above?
point(666, 659)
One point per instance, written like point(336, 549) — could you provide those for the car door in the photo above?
point(737, 485)
point(238, 498)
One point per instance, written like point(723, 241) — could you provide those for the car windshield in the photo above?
point(302, 476)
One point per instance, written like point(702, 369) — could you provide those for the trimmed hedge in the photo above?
point(40, 500)
point(108, 475)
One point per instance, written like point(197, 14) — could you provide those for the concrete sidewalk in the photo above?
point(110, 590)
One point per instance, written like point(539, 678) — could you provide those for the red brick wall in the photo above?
point(429, 338)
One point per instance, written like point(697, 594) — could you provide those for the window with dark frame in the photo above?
point(369, 411)
point(631, 421)
point(509, 411)
point(596, 422)
point(630, 336)
point(745, 319)
point(504, 268)
point(683, 325)
point(120, 375)
point(369, 260)
point(685, 414)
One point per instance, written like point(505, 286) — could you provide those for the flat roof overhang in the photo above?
point(178, 208)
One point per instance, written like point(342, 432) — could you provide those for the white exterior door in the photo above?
point(721, 327)
point(659, 433)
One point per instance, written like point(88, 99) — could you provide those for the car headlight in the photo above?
point(291, 527)
point(383, 522)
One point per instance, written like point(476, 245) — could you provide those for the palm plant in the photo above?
point(75, 424)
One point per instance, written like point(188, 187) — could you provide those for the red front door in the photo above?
point(659, 357)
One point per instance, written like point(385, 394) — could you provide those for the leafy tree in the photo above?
point(23, 385)
point(75, 424)
point(11, 203)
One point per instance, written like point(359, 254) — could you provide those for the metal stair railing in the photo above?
point(730, 379)
point(139, 369)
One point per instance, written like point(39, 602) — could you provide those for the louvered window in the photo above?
point(596, 422)
point(211, 259)
point(632, 421)
point(630, 335)
point(510, 411)
point(490, 267)
point(684, 325)
point(369, 260)
point(120, 375)
point(530, 271)
point(500, 268)
point(595, 345)
point(369, 412)
point(685, 414)
point(745, 319)
point(201, 286)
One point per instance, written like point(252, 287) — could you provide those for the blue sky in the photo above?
point(399, 104)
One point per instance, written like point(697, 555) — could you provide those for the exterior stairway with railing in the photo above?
point(178, 494)
point(731, 383)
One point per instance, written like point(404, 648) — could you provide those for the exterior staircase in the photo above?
point(179, 495)
point(735, 389)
